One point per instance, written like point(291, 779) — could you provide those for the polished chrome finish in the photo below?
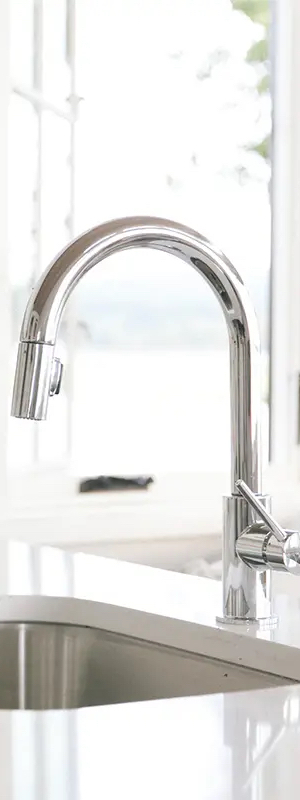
point(44, 310)
point(258, 547)
point(39, 377)
point(262, 512)
point(266, 544)
point(246, 590)
point(284, 556)
point(46, 666)
point(56, 376)
point(32, 388)
point(251, 546)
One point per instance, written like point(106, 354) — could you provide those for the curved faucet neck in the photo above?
point(45, 306)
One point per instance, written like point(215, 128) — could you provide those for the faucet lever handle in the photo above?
point(262, 512)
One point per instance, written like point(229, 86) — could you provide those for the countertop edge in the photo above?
point(195, 637)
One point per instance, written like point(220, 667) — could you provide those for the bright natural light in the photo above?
point(172, 122)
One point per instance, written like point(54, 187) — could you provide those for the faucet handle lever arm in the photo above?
point(267, 545)
point(262, 512)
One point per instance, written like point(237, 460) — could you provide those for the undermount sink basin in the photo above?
point(47, 666)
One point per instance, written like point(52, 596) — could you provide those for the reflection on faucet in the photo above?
point(249, 551)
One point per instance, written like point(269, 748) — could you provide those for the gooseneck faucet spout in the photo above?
point(38, 373)
point(44, 310)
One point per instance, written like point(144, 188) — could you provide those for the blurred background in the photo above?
point(117, 108)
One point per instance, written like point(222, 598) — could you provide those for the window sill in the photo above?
point(176, 506)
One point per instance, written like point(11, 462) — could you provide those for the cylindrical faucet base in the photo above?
point(246, 591)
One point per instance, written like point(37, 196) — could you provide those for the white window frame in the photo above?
point(4, 278)
point(112, 518)
point(285, 290)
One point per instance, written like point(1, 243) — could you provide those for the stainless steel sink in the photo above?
point(45, 666)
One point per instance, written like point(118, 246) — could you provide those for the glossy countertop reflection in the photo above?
point(221, 747)
point(45, 584)
point(241, 746)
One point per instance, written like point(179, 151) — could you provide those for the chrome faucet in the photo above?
point(253, 543)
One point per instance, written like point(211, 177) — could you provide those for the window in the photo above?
point(174, 118)
point(175, 121)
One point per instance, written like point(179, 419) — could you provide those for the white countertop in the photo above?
point(217, 747)
point(242, 746)
point(47, 584)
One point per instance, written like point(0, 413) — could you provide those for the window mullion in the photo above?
point(38, 84)
point(40, 102)
point(5, 337)
point(71, 313)
point(285, 301)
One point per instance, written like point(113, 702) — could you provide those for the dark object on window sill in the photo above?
point(108, 483)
